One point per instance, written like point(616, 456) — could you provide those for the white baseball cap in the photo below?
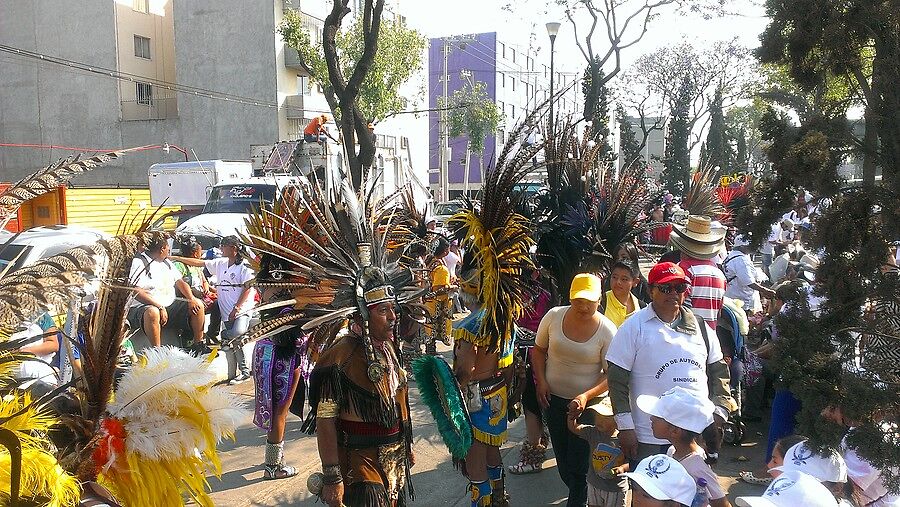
point(664, 478)
point(680, 407)
point(741, 240)
point(791, 489)
point(829, 467)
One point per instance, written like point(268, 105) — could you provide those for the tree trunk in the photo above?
point(354, 127)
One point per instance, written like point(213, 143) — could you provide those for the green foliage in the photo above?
point(676, 176)
point(717, 149)
point(596, 107)
point(629, 146)
point(398, 58)
point(825, 57)
point(473, 114)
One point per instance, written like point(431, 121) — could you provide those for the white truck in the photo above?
point(229, 205)
point(190, 183)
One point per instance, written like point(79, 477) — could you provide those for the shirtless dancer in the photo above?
point(483, 377)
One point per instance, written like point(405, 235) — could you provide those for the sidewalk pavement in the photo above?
point(435, 480)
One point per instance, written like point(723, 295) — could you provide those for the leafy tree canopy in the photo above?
point(399, 57)
point(473, 114)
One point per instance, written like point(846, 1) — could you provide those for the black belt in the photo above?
point(491, 384)
point(364, 441)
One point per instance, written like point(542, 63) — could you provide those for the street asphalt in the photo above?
point(435, 480)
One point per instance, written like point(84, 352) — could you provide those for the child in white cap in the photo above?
point(827, 467)
point(680, 416)
point(660, 481)
point(604, 486)
point(791, 489)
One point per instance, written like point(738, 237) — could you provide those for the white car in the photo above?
point(26, 248)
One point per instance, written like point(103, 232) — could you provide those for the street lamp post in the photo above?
point(552, 30)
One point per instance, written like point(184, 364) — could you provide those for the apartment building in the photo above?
point(210, 78)
point(514, 79)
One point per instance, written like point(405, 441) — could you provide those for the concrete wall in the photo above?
point(223, 45)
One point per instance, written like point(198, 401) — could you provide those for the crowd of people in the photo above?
point(634, 381)
point(662, 379)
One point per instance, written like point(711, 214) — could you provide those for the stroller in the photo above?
point(731, 329)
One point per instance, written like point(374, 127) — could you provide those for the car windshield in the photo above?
point(238, 198)
point(13, 254)
point(447, 208)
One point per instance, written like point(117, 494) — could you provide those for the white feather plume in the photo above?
point(167, 405)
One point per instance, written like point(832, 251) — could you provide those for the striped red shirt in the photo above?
point(707, 288)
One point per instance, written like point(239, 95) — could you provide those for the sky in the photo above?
point(441, 18)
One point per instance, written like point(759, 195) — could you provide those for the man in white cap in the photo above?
point(791, 489)
point(660, 481)
point(740, 275)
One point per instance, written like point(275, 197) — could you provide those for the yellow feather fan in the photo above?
point(42, 478)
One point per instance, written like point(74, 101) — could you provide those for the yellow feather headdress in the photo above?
point(497, 239)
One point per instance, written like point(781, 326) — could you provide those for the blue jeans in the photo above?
point(233, 329)
point(766, 262)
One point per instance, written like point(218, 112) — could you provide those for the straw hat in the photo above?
point(698, 239)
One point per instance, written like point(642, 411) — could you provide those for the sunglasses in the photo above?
point(669, 288)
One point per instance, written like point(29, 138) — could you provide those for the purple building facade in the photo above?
point(476, 54)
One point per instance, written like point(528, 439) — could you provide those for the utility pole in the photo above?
point(444, 179)
point(466, 75)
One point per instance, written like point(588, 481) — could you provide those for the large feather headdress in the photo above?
point(615, 214)
point(497, 240)
point(328, 248)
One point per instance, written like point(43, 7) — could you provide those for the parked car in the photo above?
point(25, 248)
point(444, 210)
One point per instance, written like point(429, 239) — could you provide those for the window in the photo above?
point(502, 80)
point(513, 84)
point(501, 106)
point(512, 110)
point(141, 47)
point(503, 50)
point(302, 85)
point(513, 55)
point(143, 92)
point(140, 6)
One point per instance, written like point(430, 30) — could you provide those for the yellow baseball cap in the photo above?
point(586, 286)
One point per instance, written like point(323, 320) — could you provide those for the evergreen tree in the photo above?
point(742, 161)
point(629, 147)
point(818, 352)
point(716, 138)
point(677, 174)
point(596, 107)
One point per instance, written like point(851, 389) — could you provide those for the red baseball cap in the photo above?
point(667, 272)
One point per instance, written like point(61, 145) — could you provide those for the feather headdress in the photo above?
point(615, 214)
point(328, 248)
point(571, 168)
point(497, 239)
point(701, 197)
point(159, 439)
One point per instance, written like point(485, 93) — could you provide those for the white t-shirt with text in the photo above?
point(659, 358)
point(229, 284)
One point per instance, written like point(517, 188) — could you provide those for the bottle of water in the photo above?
point(701, 499)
